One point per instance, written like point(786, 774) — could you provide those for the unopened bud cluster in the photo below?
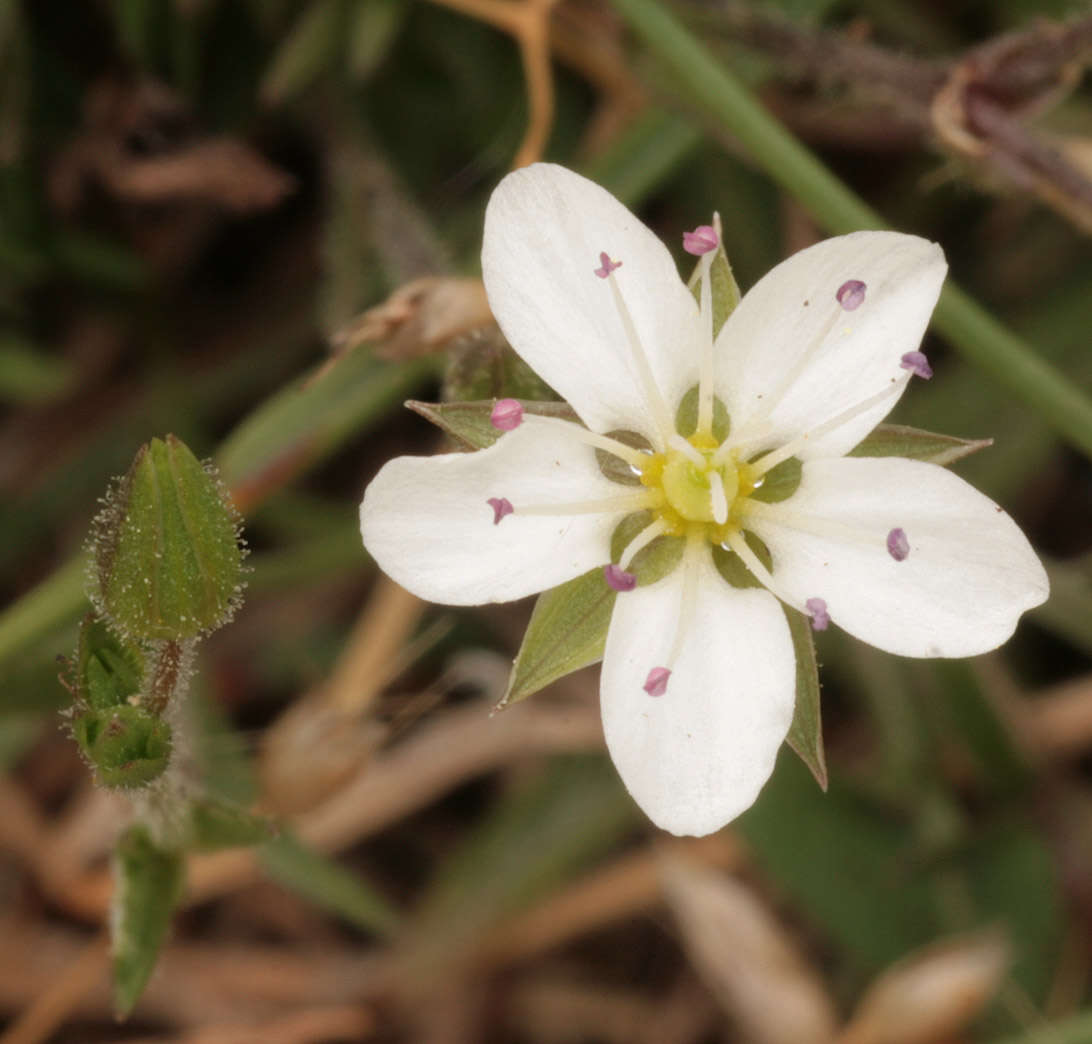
point(166, 568)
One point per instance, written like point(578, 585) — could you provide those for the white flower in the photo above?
point(698, 675)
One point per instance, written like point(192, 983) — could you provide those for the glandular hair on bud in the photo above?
point(167, 559)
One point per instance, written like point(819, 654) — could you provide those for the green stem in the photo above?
point(972, 331)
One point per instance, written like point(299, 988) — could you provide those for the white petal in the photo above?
point(969, 575)
point(545, 228)
point(428, 524)
point(791, 354)
point(697, 756)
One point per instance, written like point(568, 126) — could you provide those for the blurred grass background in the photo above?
point(197, 198)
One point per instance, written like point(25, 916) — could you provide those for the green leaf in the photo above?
point(308, 50)
point(148, 884)
point(327, 884)
point(686, 416)
point(896, 440)
point(568, 630)
point(806, 732)
point(725, 290)
point(217, 824)
point(168, 563)
point(468, 422)
point(374, 24)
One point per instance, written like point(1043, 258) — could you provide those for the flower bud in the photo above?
point(127, 746)
point(167, 561)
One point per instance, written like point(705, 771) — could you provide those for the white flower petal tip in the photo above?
point(695, 743)
point(950, 579)
point(450, 529)
point(827, 329)
point(545, 227)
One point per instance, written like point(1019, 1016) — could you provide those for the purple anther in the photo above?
point(656, 682)
point(851, 294)
point(618, 579)
point(917, 364)
point(700, 241)
point(501, 506)
point(606, 266)
point(817, 610)
point(898, 547)
point(507, 415)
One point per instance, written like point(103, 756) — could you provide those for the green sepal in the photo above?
point(568, 630)
point(616, 469)
point(148, 882)
point(806, 731)
point(686, 416)
point(653, 562)
point(108, 669)
point(468, 422)
point(731, 567)
point(726, 293)
point(167, 559)
point(484, 366)
point(127, 746)
point(780, 482)
point(898, 440)
point(218, 824)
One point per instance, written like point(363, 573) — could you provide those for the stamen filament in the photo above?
point(641, 541)
point(705, 382)
point(694, 546)
point(736, 542)
point(687, 449)
point(791, 448)
point(656, 402)
point(625, 503)
point(632, 456)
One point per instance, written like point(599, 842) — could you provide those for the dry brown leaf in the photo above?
point(931, 994)
point(746, 958)
point(420, 318)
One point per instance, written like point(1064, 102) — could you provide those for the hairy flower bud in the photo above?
point(167, 561)
point(127, 746)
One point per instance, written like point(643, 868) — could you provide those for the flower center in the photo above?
point(699, 492)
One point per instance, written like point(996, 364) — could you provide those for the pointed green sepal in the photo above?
point(167, 558)
point(485, 365)
point(217, 824)
point(127, 747)
point(806, 732)
point(468, 423)
point(108, 670)
point(780, 482)
point(148, 882)
point(726, 293)
point(568, 630)
point(898, 440)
